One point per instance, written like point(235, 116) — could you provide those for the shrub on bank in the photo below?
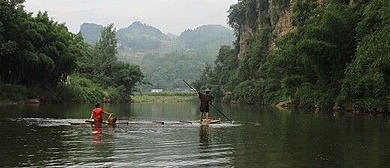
point(82, 90)
point(118, 94)
point(13, 92)
point(249, 91)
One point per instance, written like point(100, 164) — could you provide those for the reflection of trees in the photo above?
point(26, 144)
point(121, 111)
point(164, 111)
point(275, 138)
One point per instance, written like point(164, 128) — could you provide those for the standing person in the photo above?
point(98, 113)
point(205, 99)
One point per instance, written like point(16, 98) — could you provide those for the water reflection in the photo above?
point(103, 142)
point(97, 132)
point(204, 136)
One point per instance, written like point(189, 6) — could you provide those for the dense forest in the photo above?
point(166, 60)
point(337, 55)
point(41, 59)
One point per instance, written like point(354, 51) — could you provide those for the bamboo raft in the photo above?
point(212, 121)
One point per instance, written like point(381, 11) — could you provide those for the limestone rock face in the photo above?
point(281, 22)
point(278, 18)
point(245, 34)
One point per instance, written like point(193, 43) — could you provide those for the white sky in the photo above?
point(173, 16)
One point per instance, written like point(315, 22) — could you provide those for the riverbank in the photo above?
point(77, 90)
point(337, 110)
point(165, 97)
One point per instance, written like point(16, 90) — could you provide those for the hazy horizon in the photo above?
point(170, 16)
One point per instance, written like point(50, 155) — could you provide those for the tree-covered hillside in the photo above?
point(336, 56)
point(162, 56)
point(206, 36)
point(139, 39)
point(142, 37)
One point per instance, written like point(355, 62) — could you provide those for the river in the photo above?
point(40, 136)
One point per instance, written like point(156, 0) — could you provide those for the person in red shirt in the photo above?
point(98, 113)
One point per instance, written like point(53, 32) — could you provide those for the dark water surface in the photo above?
point(40, 136)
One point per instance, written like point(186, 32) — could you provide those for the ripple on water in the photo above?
point(124, 145)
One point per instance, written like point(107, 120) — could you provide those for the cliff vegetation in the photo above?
point(314, 54)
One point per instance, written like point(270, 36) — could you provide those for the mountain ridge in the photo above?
point(89, 29)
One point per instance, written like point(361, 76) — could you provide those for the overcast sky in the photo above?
point(173, 16)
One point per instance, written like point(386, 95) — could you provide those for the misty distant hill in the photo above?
point(139, 36)
point(142, 37)
point(172, 36)
point(206, 35)
point(90, 32)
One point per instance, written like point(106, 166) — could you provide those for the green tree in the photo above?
point(255, 56)
point(376, 15)
point(302, 11)
point(101, 65)
point(367, 82)
point(367, 77)
point(106, 47)
point(35, 49)
point(311, 61)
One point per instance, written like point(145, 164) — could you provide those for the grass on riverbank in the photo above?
point(166, 97)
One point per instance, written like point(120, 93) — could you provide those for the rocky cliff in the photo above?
point(274, 14)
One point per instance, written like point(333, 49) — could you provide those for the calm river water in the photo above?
point(40, 136)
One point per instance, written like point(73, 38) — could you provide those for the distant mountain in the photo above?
point(90, 32)
point(172, 36)
point(165, 59)
point(139, 36)
point(207, 35)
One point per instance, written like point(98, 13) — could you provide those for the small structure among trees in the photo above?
point(156, 90)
